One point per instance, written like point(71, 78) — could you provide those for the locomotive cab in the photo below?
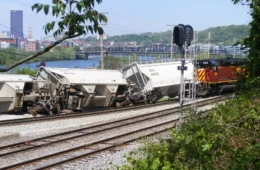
point(216, 76)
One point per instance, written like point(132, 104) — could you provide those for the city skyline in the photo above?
point(134, 17)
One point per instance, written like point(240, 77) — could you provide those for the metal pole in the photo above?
point(171, 43)
point(208, 45)
point(171, 40)
point(101, 51)
point(183, 53)
point(234, 48)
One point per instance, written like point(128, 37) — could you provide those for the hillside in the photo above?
point(219, 35)
point(224, 34)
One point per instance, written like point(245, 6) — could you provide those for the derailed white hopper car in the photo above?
point(77, 89)
point(156, 79)
point(12, 91)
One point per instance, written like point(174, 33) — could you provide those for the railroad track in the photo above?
point(89, 113)
point(169, 119)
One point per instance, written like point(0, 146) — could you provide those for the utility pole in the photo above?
point(171, 39)
point(208, 45)
point(234, 48)
point(101, 46)
point(101, 49)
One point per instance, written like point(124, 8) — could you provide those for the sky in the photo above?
point(138, 16)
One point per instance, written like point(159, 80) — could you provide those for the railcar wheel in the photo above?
point(78, 110)
point(33, 111)
point(56, 109)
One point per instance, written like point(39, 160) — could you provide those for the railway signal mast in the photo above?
point(183, 36)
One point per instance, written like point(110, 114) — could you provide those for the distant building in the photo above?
point(236, 50)
point(5, 34)
point(13, 42)
point(16, 23)
point(65, 44)
point(31, 45)
point(4, 45)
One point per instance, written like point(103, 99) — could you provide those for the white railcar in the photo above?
point(158, 78)
point(13, 89)
point(77, 89)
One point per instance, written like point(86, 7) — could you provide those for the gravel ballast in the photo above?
point(24, 132)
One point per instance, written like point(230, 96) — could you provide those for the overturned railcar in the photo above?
point(156, 79)
point(77, 89)
point(13, 92)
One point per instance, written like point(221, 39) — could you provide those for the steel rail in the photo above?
point(88, 145)
point(175, 110)
point(72, 115)
point(151, 115)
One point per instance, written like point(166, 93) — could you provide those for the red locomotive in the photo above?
point(216, 76)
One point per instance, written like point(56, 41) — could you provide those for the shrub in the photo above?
point(226, 138)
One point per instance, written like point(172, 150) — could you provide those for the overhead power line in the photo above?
point(124, 30)
point(21, 3)
point(130, 29)
point(13, 30)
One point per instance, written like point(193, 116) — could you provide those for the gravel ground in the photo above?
point(54, 148)
point(110, 160)
point(31, 131)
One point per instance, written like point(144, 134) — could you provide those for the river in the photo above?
point(91, 62)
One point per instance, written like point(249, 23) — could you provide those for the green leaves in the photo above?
point(206, 147)
point(75, 18)
point(46, 9)
point(227, 138)
point(39, 8)
point(80, 5)
point(100, 31)
point(34, 6)
point(90, 28)
point(49, 26)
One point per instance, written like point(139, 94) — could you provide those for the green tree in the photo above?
point(76, 47)
point(253, 40)
point(73, 16)
point(27, 71)
point(225, 138)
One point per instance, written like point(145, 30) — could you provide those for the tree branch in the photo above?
point(39, 52)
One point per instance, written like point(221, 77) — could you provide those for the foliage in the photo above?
point(222, 35)
point(252, 41)
point(72, 19)
point(226, 138)
point(26, 71)
point(116, 63)
point(10, 55)
point(58, 53)
point(73, 16)
point(113, 63)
